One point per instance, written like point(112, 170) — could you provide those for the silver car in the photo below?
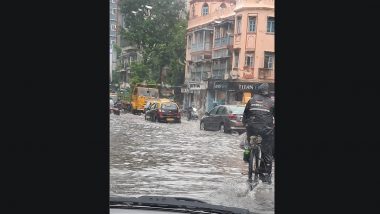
point(224, 118)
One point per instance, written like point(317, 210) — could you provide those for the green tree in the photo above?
point(158, 29)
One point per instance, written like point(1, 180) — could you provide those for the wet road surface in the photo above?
point(148, 158)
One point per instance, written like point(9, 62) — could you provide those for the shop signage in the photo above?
point(246, 86)
point(184, 90)
point(195, 86)
point(237, 86)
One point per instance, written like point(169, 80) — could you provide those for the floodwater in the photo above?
point(161, 159)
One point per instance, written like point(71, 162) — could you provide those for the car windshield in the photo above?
point(236, 109)
point(169, 106)
point(190, 68)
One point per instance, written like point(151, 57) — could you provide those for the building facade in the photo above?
point(116, 21)
point(230, 51)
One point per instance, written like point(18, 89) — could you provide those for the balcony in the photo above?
point(218, 73)
point(201, 47)
point(196, 79)
point(205, 76)
point(266, 73)
point(221, 54)
point(200, 58)
point(223, 42)
point(200, 73)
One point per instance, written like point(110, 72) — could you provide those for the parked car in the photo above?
point(163, 111)
point(224, 118)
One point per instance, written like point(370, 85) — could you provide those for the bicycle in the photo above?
point(255, 158)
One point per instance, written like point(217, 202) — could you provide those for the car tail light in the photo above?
point(232, 116)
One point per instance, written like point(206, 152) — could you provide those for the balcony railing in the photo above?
point(195, 77)
point(221, 54)
point(201, 47)
point(266, 73)
point(199, 58)
point(224, 41)
point(218, 73)
point(198, 71)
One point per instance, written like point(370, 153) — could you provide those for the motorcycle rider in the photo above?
point(189, 112)
point(258, 118)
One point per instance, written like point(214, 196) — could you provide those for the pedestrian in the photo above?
point(258, 117)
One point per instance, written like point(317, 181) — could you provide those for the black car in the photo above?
point(163, 112)
point(224, 118)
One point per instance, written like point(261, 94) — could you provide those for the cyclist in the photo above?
point(258, 118)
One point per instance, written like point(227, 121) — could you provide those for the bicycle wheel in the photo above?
point(258, 162)
point(251, 164)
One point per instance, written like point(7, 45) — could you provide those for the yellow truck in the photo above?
point(140, 95)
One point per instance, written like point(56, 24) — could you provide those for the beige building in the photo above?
point(230, 51)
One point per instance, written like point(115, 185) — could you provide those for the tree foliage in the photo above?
point(158, 28)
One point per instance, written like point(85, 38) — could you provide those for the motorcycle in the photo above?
point(116, 108)
point(192, 114)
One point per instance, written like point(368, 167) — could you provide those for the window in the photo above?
point(268, 60)
point(251, 24)
point(220, 111)
point(113, 27)
point(189, 42)
point(114, 11)
point(131, 59)
point(205, 9)
point(249, 59)
point(238, 25)
point(239, 96)
point(223, 5)
point(217, 32)
point(169, 106)
point(236, 64)
point(193, 11)
point(236, 109)
point(222, 32)
point(213, 111)
point(270, 25)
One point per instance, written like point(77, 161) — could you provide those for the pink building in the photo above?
point(230, 51)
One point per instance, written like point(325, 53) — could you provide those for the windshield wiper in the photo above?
point(172, 203)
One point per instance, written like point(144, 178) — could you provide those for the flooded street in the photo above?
point(148, 158)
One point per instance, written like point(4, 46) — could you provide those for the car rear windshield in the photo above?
point(169, 106)
point(237, 109)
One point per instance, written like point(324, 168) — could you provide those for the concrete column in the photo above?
point(204, 39)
